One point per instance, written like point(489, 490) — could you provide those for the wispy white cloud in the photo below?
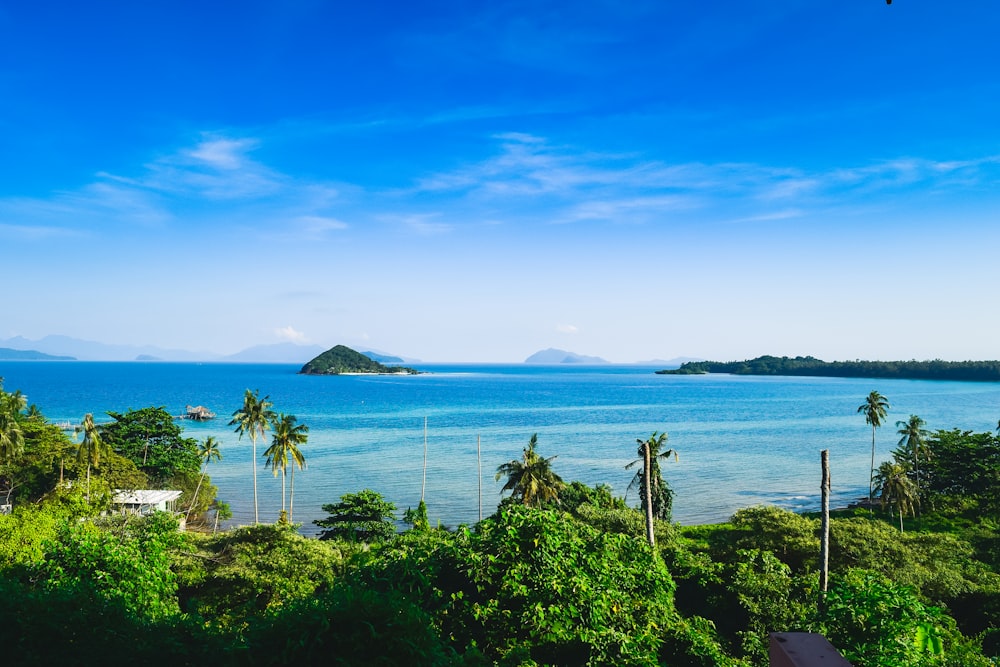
point(290, 334)
point(563, 185)
point(567, 329)
point(36, 232)
point(221, 153)
point(215, 168)
point(424, 224)
point(191, 182)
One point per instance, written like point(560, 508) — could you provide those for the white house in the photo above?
point(145, 501)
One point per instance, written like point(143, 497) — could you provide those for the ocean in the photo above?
point(741, 440)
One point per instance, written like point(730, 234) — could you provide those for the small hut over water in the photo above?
point(198, 413)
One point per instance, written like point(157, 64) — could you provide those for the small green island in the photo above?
point(342, 360)
point(974, 371)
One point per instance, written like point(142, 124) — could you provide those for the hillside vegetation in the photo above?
point(341, 359)
point(560, 574)
point(976, 371)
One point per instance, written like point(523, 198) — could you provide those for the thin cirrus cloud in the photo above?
point(568, 185)
point(527, 178)
point(189, 181)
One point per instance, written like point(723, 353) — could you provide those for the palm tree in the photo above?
point(649, 478)
point(11, 436)
point(874, 409)
point(253, 419)
point(662, 497)
point(531, 480)
point(92, 447)
point(913, 443)
point(896, 489)
point(284, 449)
point(209, 450)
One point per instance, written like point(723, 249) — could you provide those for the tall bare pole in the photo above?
point(479, 458)
point(824, 540)
point(423, 484)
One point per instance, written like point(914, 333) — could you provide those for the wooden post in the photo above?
point(479, 458)
point(824, 540)
point(423, 484)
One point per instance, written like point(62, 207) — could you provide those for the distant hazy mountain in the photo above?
point(7, 354)
point(382, 358)
point(86, 350)
point(278, 353)
point(554, 356)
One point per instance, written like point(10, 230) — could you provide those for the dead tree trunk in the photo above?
point(824, 539)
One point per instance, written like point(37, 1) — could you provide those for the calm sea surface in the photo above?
point(741, 440)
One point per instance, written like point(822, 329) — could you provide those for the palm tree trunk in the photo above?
point(88, 482)
point(194, 498)
point(650, 537)
point(283, 475)
point(871, 475)
point(253, 445)
point(423, 483)
point(291, 495)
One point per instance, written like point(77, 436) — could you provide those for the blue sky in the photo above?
point(478, 181)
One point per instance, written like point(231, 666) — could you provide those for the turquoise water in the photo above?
point(741, 440)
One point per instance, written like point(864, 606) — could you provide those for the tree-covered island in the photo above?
point(968, 371)
point(341, 360)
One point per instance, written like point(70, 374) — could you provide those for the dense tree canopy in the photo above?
point(152, 439)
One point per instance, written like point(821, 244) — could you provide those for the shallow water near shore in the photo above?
point(741, 440)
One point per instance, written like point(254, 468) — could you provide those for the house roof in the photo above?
point(145, 496)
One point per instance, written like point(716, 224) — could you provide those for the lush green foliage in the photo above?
point(126, 564)
point(151, 438)
point(536, 586)
point(570, 582)
point(531, 480)
point(358, 517)
point(236, 575)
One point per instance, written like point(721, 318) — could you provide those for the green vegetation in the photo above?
point(559, 575)
point(977, 371)
point(531, 481)
point(342, 359)
point(358, 517)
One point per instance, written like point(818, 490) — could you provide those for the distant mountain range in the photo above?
point(554, 356)
point(65, 348)
point(68, 348)
point(7, 354)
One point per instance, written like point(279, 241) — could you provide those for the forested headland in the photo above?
point(560, 574)
point(969, 371)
